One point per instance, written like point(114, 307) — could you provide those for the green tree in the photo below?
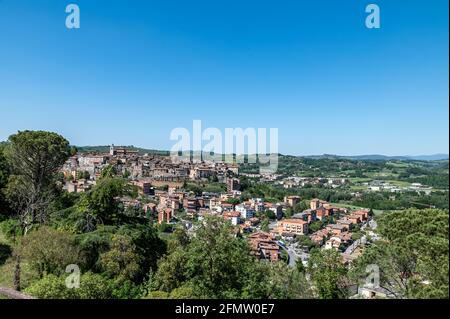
point(184, 292)
point(93, 244)
point(83, 175)
point(157, 295)
point(171, 272)
point(179, 238)
point(289, 212)
point(101, 200)
point(302, 206)
point(11, 230)
point(219, 263)
point(4, 176)
point(92, 286)
point(233, 201)
point(215, 263)
point(270, 214)
point(35, 158)
point(126, 174)
point(328, 274)
point(413, 254)
point(265, 225)
point(149, 247)
point(284, 282)
point(49, 251)
point(315, 226)
point(305, 241)
point(108, 172)
point(50, 287)
point(121, 261)
point(300, 267)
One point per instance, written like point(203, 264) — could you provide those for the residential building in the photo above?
point(264, 246)
point(246, 211)
point(294, 226)
point(165, 215)
point(233, 184)
point(291, 201)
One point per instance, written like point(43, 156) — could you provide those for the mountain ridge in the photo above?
point(424, 157)
point(427, 157)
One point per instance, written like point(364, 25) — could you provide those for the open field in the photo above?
point(352, 207)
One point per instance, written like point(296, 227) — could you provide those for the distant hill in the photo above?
point(377, 157)
point(433, 157)
point(370, 157)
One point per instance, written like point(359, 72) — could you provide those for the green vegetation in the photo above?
point(328, 274)
point(397, 173)
point(387, 201)
point(413, 255)
point(431, 173)
point(217, 264)
point(199, 188)
point(122, 253)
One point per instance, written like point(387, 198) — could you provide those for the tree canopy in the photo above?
point(413, 254)
point(34, 158)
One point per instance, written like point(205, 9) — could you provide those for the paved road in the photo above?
point(355, 244)
point(292, 257)
point(362, 241)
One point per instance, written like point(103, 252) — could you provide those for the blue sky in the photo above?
point(137, 69)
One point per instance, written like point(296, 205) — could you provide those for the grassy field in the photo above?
point(398, 164)
point(359, 179)
point(352, 207)
point(399, 183)
point(356, 188)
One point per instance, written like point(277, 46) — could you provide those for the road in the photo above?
point(350, 249)
point(362, 241)
point(293, 256)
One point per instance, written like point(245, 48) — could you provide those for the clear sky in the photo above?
point(137, 69)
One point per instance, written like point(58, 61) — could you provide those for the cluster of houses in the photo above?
point(83, 169)
point(147, 172)
point(385, 186)
point(242, 214)
point(339, 235)
point(295, 181)
point(336, 234)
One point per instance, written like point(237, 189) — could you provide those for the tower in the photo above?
point(112, 152)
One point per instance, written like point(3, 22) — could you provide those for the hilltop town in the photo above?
point(137, 224)
point(283, 228)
